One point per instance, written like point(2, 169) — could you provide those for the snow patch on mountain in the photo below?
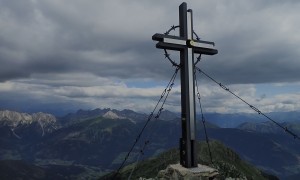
point(15, 120)
point(112, 115)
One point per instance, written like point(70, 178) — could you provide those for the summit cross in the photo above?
point(187, 46)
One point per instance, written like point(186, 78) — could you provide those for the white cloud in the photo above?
point(116, 94)
point(86, 52)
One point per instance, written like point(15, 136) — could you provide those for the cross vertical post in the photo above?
point(187, 141)
point(187, 46)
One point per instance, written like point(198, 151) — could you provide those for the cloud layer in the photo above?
point(88, 54)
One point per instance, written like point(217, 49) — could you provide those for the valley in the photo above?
point(94, 142)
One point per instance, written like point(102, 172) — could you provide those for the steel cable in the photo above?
point(166, 91)
point(202, 117)
point(251, 106)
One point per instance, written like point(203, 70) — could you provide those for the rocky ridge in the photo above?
point(17, 122)
point(112, 115)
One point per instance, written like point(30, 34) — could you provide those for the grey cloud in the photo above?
point(59, 43)
point(70, 35)
point(22, 102)
point(62, 34)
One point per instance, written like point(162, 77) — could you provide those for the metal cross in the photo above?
point(188, 46)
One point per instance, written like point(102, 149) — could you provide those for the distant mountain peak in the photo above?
point(17, 121)
point(167, 115)
point(15, 117)
point(24, 118)
point(111, 115)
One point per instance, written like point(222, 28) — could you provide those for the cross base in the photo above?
point(176, 171)
point(188, 157)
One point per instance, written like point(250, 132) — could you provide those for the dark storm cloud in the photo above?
point(244, 64)
point(86, 51)
point(258, 42)
point(113, 39)
point(51, 36)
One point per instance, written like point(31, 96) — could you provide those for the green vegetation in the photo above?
point(225, 160)
point(228, 162)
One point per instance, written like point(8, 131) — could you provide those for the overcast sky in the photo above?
point(63, 55)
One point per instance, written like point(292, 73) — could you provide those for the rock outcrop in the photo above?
point(21, 123)
point(177, 172)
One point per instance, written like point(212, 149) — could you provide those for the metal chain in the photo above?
point(166, 91)
point(251, 106)
point(202, 116)
point(167, 55)
point(171, 29)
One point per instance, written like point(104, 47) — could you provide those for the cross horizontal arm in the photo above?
point(175, 47)
point(206, 51)
point(200, 43)
point(202, 47)
point(169, 42)
point(179, 43)
point(161, 37)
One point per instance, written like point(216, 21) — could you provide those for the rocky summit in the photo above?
point(17, 122)
point(112, 115)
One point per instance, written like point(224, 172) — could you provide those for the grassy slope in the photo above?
point(225, 160)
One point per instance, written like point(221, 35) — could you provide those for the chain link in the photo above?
point(251, 106)
point(166, 91)
point(202, 116)
point(165, 94)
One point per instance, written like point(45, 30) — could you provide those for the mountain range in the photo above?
point(90, 143)
point(234, 120)
point(17, 122)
